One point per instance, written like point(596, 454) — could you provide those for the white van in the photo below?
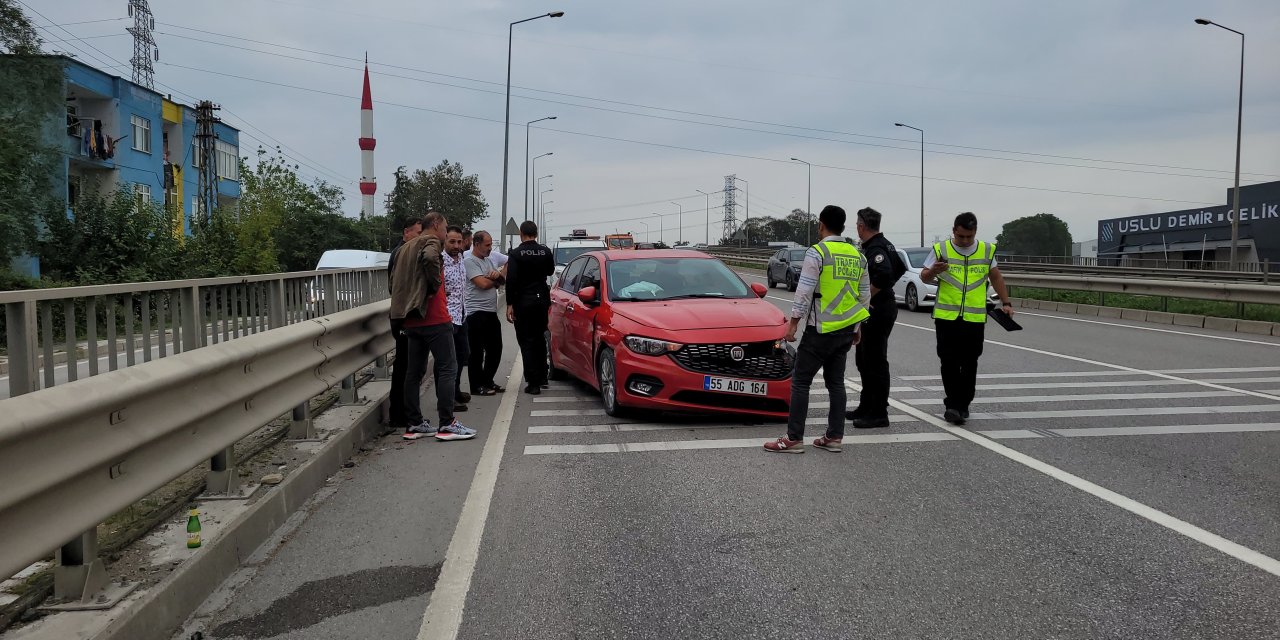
point(570, 247)
point(352, 259)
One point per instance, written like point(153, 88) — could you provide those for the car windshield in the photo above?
point(673, 278)
point(917, 257)
point(797, 255)
point(565, 255)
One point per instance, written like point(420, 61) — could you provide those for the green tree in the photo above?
point(445, 188)
point(1043, 234)
point(17, 33)
point(30, 159)
point(110, 238)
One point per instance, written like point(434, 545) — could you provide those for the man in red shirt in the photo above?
point(419, 298)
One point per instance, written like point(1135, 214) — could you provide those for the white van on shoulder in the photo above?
point(352, 259)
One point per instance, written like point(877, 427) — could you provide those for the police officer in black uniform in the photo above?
point(528, 302)
point(872, 357)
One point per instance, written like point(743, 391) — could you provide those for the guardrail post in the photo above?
point(222, 478)
point(330, 294)
point(21, 341)
point(1266, 271)
point(80, 573)
point(380, 369)
point(192, 318)
point(276, 304)
point(302, 428)
point(347, 393)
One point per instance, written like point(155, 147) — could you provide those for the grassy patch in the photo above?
point(1264, 312)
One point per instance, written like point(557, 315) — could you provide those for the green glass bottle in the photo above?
point(193, 529)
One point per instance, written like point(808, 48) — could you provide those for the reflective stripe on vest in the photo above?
point(838, 301)
point(962, 288)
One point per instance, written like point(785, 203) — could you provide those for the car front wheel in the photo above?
point(607, 376)
point(913, 298)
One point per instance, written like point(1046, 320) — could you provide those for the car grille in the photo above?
point(762, 361)
point(731, 401)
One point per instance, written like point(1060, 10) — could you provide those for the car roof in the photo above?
point(580, 243)
point(650, 254)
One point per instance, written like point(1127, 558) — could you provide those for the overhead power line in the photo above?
point(719, 117)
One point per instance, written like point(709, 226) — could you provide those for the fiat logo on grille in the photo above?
point(738, 354)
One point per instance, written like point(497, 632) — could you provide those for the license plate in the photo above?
point(735, 385)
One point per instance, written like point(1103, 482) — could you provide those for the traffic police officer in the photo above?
point(885, 266)
point(528, 302)
point(962, 267)
point(832, 294)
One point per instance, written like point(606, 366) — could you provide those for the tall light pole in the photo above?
point(537, 213)
point(662, 228)
point(708, 214)
point(680, 230)
point(506, 127)
point(526, 163)
point(808, 233)
point(1235, 198)
point(540, 194)
point(646, 231)
point(746, 228)
point(899, 124)
point(535, 170)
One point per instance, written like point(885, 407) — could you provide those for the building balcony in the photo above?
point(75, 149)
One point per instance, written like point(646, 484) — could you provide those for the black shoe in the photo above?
point(855, 414)
point(953, 416)
point(462, 397)
point(459, 407)
point(868, 422)
point(964, 414)
point(533, 390)
point(544, 385)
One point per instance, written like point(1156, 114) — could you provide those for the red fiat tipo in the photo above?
point(669, 330)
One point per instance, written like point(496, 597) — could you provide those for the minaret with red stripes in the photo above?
point(368, 184)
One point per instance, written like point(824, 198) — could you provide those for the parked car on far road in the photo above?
point(784, 268)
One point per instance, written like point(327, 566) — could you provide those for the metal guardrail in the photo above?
point(145, 321)
point(73, 455)
point(1264, 266)
point(1164, 273)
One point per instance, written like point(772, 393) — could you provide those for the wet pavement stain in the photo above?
point(319, 600)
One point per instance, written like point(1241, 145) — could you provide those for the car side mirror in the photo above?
point(587, 295)
point(759, 289)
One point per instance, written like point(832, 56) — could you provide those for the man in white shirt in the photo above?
point(483, 326)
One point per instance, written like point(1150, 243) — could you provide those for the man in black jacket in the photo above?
point(411, 228)
point(872, 357)
point(528, 301)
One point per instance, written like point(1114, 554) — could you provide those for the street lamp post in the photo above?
point(526, 163)
point(1235, 198)
point(506, 127)
point(540, 194)
point(646, 230)
point(708, 214)
point(680, 229)
point(662, 228)
point(535, 170)
point(808, 234)
point(537, 212)
point(899, 124)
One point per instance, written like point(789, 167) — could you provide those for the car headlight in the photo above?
point(651, 347)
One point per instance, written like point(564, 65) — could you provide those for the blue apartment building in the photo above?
point(120, 134)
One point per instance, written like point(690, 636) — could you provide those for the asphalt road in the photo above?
point(1117, 480)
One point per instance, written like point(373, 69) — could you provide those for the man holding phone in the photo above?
point(962, 266)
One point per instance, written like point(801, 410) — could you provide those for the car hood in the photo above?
point(681, 315)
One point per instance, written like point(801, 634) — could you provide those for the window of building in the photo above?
point(142, 192)
point(195, 153)
point(141, 134)
point(228, 161)
point(73, 121)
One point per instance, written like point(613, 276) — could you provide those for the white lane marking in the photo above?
point(1084, 397)
point(736, 443)
point(545, 399)
point(1176, 382)
point(1156, 329)
point(1126, 411)
point(1086, 432)
point(1103, 373)
point(557, 413)
point(619, 427)
point(1212, 540)
point(443, 616)
point(1120, 367)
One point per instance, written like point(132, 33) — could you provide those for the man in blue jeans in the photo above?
point(832, 297)
point(419, 297)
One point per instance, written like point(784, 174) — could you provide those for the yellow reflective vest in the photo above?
point(839, 301)
point(962, 288)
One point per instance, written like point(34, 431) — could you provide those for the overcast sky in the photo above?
point(1136, 83)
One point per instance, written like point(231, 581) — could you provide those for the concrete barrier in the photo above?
point(1133, 314)
point(1220, 324)
point(1066, 307)
point(1187, 320)
point(1255, 326)
point(1160, 317)
point(1109, 312)
point(1087, 309)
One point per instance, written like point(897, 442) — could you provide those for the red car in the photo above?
point(669, 330)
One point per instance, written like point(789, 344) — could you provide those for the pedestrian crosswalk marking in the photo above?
point(1126, 411)
point(1102, 373)
point(1089, 397)
point(1084, 432)
point(735, 443)
point(1120, 383)
point(671, 426)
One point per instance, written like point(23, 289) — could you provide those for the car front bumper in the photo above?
point(658, 382)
